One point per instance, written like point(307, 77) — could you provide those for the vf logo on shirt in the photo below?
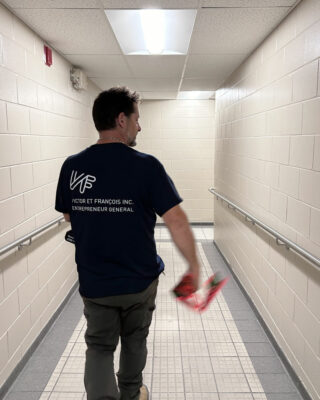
point(83, 181)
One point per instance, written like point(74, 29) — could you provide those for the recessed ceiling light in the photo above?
point(152, 31)
point(196, 95)
point(153, 26)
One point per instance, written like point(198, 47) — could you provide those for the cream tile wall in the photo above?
point(180, 134)
point(42, 120)
point(267, 161)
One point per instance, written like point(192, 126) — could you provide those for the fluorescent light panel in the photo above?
point(139, 31)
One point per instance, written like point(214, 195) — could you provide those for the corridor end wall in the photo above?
point(42, 121)
point(267, 161)
point(180, 134)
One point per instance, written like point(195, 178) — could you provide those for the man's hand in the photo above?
point(194, 271)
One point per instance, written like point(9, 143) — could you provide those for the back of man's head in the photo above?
point(110, 103)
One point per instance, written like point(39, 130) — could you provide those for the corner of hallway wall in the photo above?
point(42, 121)
point(267, 160)
point(180, 134)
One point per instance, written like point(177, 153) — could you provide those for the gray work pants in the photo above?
point(108, 318)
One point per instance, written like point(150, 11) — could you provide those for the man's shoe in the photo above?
point(144, 393)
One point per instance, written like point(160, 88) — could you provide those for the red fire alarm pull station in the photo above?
point(48, 55)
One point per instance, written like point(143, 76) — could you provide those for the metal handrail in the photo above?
point(288, 243)
point(19, 242)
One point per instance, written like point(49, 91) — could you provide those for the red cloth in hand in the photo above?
point(186, 292)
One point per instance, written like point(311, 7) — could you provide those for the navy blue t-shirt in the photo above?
point(112, 193)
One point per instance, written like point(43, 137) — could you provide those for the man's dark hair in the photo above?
point(110, 103)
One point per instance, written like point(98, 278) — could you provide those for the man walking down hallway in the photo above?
point(111, 194)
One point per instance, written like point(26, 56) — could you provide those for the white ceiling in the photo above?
point(224, 34)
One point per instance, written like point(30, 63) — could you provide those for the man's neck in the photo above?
point(110, 140)
point(110, 137)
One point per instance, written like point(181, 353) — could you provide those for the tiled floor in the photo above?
point(222, 354)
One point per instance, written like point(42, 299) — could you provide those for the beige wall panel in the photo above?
point(15, 271)
point(283, 90)
point(277, 258)
point(308, 325)
point(289, 180)
point(27, 92)
point(43, 120)
point(23, 35)
point(180, 134)
point(305, 82)
point(311, 117)
point(199, 215)
point(309, 12)
point(314, 294)
point(18, 330)
point(26, 227)
point(11, 213)
point(18, 119)
point(33, 202)
point(309, 190)
point(297, 275)
point(27, 290)
point(14, 155)
point(293, 119)
point(5, 187)
point(4, 356)
point(280, 150)
point(13, 56)
point(278, 204)
point(3, 116)
point(39, 303)
point(21, 178)
point(9, 311)
point(301, 151)
point(312, 362)
point(30, 148)
point(315, 225)
point(6, 21)
point(37, 122)
point(268, 111)
point(298, 216)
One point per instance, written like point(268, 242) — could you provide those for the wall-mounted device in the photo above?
point(78, 78)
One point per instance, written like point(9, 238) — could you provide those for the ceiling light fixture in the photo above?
point(153, 26)
point(151, 31)
point(196, 95)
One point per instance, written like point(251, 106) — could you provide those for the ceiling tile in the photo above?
point(201, 84)
point(98, 66)
point(106, 83)
point(217, 65)
point(248, 3)
point(140, 85)
point(157, 84)
point(156, 66)
point(127, 4)
point(221, 30)
point(72, 31)
point(53, 4)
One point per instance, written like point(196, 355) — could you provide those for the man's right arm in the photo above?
point(181, 233)
point(66, 217)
